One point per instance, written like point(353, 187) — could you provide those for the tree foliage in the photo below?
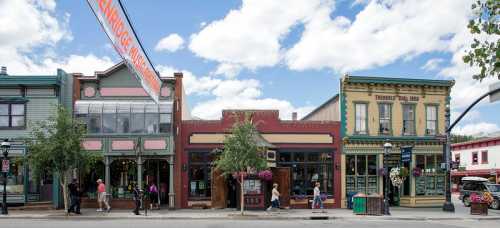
point(485, 49)
point(241, 153)
point(461, 138)
point(54, 147)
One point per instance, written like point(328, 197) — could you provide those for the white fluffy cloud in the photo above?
point(250, 36)
point(480, 129)
point(230, 94)
point(228, 70)
point(432, 64)
point(26, 25)
point(192, 84)
point(381, 33)
point(170, 43)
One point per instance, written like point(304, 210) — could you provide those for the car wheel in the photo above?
point(495, 204)
point(466, 201)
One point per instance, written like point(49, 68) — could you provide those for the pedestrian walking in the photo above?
point(317, 202)
point(74, 194)
point(137, 199)
point(153, 196)
point(275, 198)
point(101, 196)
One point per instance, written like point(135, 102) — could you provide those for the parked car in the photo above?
point(479, 185)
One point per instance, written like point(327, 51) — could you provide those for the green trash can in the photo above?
point(359, 204)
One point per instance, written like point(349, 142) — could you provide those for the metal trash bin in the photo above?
point(349, 199)
point(359, 204)
point(374, 205)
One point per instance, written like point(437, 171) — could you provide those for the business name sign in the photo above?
point(116, 25)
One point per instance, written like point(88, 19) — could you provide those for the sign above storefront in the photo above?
point(115, 23)
point(392, 98)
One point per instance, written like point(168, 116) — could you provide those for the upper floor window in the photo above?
point(474, 158)
point(431, 119)
point(484, 157)
point(124, 118)
point(408, 119)
point(384, 119)
point(12, 116)
point(361, 118)
point(457, 158)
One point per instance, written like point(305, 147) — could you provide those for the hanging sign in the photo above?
point(5, 166)
point(115, 23)
point(406, 154)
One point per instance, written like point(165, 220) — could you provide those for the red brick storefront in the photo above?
point(310, 150)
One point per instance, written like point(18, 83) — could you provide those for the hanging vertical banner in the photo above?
point(406, 153)
point(115, 23)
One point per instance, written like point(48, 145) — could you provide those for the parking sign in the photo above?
point(5, 166)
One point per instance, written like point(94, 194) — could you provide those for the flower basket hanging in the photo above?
point(265, 175)
point(398, 176)
point(417, 172)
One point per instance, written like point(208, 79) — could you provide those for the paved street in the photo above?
point(240, 223)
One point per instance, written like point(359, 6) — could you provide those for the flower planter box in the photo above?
point(479, 209)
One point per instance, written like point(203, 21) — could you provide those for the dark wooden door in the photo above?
point(219, 189)
point(281, 176)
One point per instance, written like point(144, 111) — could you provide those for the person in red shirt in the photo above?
point(101, 196)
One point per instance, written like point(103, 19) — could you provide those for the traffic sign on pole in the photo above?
point(5, 166)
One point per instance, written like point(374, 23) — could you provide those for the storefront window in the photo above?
point(200, 171)
point(125, 118)
point(409, 119)
point(384, 119)
point(15, 178)
point(123, 177)
point(307, 169)
point(431, 181)
point(361, 118)
point(361, 173)
point(431, 120)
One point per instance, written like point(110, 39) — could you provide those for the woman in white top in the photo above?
point(317, 197)
point(275, 197)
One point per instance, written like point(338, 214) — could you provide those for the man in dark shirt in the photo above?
point(74, 193)
point(137, 199)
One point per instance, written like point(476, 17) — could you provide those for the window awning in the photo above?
point(84, 107)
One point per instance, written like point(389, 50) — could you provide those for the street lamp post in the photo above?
point(5, 147)
point(387, 151)
point(448, 205)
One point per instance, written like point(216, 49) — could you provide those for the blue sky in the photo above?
point(258, 54)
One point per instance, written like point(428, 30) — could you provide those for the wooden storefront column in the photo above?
point(139, 172)
point(342, 180)
point(171, 191)
point(380, 165)
point(413, 164)
point(107, 177)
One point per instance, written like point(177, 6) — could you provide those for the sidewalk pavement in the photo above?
point(397, 213)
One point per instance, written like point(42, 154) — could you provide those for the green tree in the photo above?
point(241, 153)
point(461, 138)
point(54, 146)
point(485, 50)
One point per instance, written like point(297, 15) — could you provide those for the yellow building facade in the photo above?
point(408, 113)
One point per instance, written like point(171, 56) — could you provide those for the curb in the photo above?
point(251, 217)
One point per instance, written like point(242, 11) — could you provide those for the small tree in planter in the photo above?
point(241, 153)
